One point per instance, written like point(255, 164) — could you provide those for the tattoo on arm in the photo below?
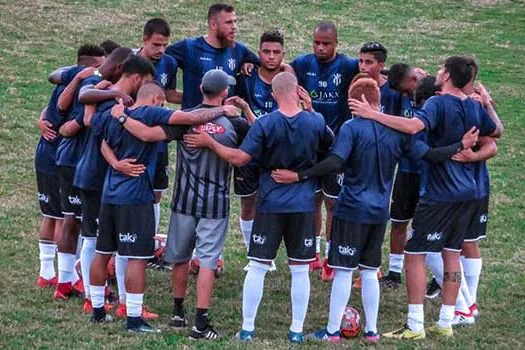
point(205, 115)
point(454, 277)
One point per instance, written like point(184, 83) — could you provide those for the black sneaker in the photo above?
point(140, 326)
point(433, 289)
point(178, 322)
point(392, 280)
point(207, 333)
point(100, 316)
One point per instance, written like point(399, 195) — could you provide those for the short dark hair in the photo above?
point(475, 67)
point(109, 46)
point(325, 26)
point(215, 9)
point(157, 26)
point(119, 55)
point(375, 48)
point(425, 89)
point(397, 74)
point(136, 64)
point(271, 36)
point(89, 50)
point(460, 69)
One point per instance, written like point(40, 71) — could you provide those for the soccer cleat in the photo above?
point(194, 266)
point(295, 338)
point(371, 337)
point(100, 316)
point(406, 334)
point(243, 335)
point(316, 264)
point(219, 270)
point(474, 310)
point(121, 312)
point(41, 282)
point(463, 319)
point(327, 273)
point(78, 287)
point(140, 327)
point(87, 307)
point(441, 332)
point(207, 333)
point(63, 291)
point(178, 322)
point(433, 289)
point(392, 280)
point(323, 335)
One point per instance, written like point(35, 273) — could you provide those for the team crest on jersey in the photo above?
point(210, 128)
point(337, 79)
point(232, 63)
point(163, 79)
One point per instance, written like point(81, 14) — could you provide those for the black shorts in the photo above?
point(70, 202)
point(331, 185)
point(439, 226)
point(127, 229)
point(161, 180)
point(49, 195)
point(90, 212)
point(404, 197)
point(245, 180)
point(297, 230)
point(479, 216)
point(355, 244)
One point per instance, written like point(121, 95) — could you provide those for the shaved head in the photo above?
point(326, 27)
point(149, 90)
point(283, 84)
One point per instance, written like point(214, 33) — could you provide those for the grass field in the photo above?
point(37, 36)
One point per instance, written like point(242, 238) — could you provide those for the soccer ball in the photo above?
point(351, 323)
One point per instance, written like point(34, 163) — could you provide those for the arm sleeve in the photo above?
point(178, 51)
point(253, 143)
point(327, 140)
point(440, 154)
point(331, 164)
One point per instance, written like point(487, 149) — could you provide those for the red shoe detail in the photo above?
point(87, 308)
point(121, 312)
point(41, 282)
point(63, 291)
point(220, 268)
point(459, 313)
point(79, 286)
point(474, 309)
point(327, 273)
point(316, 264)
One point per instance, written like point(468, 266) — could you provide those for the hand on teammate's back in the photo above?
point(46, 130)
point(118, 109)
point(201, 139)
point(127, 167)
point(247, 68)
point(231, 111)
point(470, 138)
point(126, 99)
point(465, 156)
point(237, 102)
point(284, 176)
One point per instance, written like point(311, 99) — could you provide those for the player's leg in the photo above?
point(318, 226)
point(179, 250)
point(332, 185)
point(160, 183)
point(265, 240)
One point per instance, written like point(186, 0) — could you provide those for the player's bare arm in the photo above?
point(69, 128)
point(487, 102)
point(488, 149)
point(203, 140)
point(92, 95)
point(124, 166)
point(244, 106)
point(66, 97)
point(203, 115)
point(56, 76)
point(174, 96)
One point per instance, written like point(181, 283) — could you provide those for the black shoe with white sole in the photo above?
point(207, 333)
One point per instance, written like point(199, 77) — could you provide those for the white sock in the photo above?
point(300, 293)
point(464, 300)
point(396, 262)
point(252, 293)
point(86, 256)
point(318, 244)
point(446, 316)
point(98, 294)
point(120, 273)
point(472, 273)
point(246, 229)
point(435, 264)
point(66, 267)
point(339, 296)
point(370, 297)
point(134, 304)
point(326, 249)
point(156, 211)
point(80, 240)
point(416, 317)
point(47, 257)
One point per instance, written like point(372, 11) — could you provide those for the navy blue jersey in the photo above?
point(122, 189)
point(371, 152)
point(409, 165)
point(447, 118)
point(45, 156)
point(327, 83)
point(481, 174)
point(256, 92)
point(70, 148)
point(280, 142)
point(92, 166)
point(166, 72)
point(391, 100)
point(195, 57)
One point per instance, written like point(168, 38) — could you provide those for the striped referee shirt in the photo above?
point(202, 179)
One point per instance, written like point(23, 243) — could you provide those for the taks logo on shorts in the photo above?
point(210, 128)
point(483, 218)
point(74, 200)
point(347, 250)
point(127, 237)
point(43, 197)
point(259, 239)
point(436, 236)
point(308, 242)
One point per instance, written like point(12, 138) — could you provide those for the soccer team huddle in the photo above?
point(369, 143)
